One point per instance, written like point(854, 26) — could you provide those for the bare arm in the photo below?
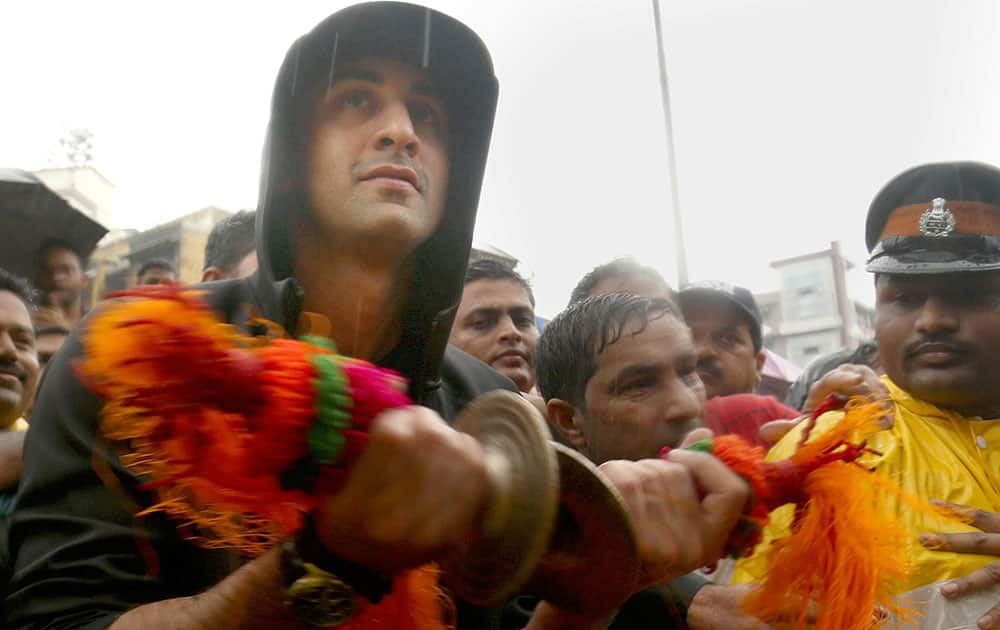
point(252, 597)
point(11, 460)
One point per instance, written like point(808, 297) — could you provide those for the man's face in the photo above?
point(377, 165)
point(645, 393)
point(18, 361)
point(61, 272)
point(157, 275)
point(641, 285)
point(939, 336)
point(496, 324)
point(727, 361)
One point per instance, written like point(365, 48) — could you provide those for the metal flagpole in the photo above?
point(682, 274)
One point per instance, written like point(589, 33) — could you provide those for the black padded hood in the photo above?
point(460, 66)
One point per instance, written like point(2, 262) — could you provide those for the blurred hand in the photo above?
point(682, 508)
point(418, 488)
point(719, 606)
point(984, 542)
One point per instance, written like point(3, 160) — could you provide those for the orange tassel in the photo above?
point(415, 603)
point(209, 419)
point(844, 553)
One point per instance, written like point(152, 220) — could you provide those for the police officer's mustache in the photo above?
point(941, 345)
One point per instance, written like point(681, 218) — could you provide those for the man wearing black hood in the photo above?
point(381, 119)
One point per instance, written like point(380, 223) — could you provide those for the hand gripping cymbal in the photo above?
point(521, 513)
point(592, 563)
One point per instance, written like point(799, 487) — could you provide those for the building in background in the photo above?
point(811, 313)
point(180, 242)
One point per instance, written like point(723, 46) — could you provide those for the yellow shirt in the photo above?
point(930, 453)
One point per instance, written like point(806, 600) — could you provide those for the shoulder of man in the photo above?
point(463, 379)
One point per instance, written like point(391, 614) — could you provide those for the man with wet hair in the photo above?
point(617, 372)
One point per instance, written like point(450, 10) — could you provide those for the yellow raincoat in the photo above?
point(930, 453)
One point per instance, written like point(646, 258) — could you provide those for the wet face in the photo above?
point(727, 361)
point(157, 275)
point(496, 324)
point(60, 272)
point(377, 166)
point(18, 361)
point(939, 338)
point(641, 285)
point(645, 393)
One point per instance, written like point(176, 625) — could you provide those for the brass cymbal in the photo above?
point(593, 559)
point(520, 517)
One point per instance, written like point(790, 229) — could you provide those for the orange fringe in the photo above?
point(844, 554)
point(215, 464)
point(415, 603)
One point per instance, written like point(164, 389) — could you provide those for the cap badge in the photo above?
point(937, 220)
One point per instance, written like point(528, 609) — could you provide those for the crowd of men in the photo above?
point(380, 127)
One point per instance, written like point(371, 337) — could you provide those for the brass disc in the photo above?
point(593, 559)
point(519, 521)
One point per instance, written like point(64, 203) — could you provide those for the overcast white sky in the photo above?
point(788, 116)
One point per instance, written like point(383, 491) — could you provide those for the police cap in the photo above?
point(936, 218)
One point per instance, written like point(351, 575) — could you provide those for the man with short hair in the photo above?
point(496, 321)
point(742, 414)
point(376, 149)
point(18, 379)
point(932, 237)
point(230, 251)
point(621, 275)
point(617, 372)
point(61, 280)
point(726, 326)
point(155, 271)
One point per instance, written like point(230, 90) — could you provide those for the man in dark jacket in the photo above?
point(381, 119)
point(380, 126)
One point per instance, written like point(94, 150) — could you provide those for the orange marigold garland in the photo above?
point(233, 434)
